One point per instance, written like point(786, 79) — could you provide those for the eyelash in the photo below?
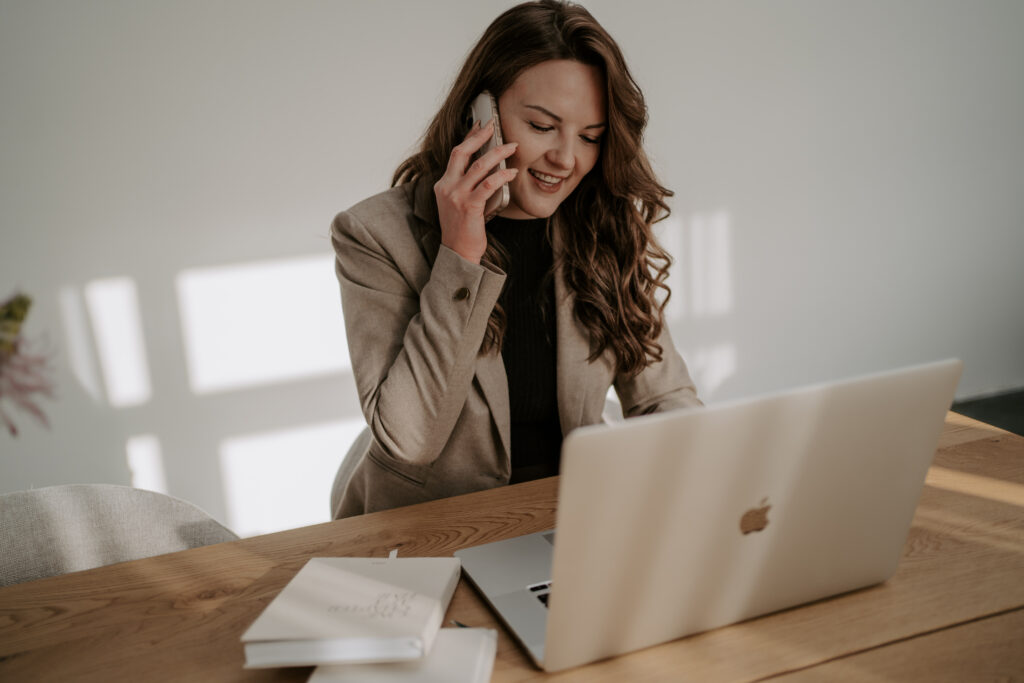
point(545, 129)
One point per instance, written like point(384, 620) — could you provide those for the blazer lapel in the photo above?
point(425, 209)
point(493, 382)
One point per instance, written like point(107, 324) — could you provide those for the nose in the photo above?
point(561, 155)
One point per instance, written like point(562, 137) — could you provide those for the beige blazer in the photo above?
point(438, 411)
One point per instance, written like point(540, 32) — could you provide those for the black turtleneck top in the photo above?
point(528, 348)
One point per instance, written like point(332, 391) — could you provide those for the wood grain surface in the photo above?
point(984, 650)
point(180, 616)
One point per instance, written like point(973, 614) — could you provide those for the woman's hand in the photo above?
point(463, 190)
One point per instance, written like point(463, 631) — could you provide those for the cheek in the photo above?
point(514, 161)
point(525, 154)
point(512, 134)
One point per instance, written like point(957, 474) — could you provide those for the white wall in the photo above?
point(850, 197)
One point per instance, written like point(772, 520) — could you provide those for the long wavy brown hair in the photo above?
point(610, 258)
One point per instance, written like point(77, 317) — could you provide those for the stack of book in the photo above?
point(370, 619)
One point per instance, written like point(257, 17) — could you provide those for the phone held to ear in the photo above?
point(483, 109)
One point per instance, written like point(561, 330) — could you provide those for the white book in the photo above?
point(459, 655)
point(354, 609)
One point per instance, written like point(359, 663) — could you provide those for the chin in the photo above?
point(529, 208)
point(545, 212)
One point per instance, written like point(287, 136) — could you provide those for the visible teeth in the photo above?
point(550, 179)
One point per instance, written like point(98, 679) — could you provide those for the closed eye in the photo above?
point(545, 129)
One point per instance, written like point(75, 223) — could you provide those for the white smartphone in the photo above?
point(483, 109)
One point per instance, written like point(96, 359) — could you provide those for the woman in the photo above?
point(476, 346)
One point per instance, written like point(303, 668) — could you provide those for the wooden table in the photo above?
point(953, 611)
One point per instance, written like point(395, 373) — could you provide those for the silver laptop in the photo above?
point(681, 522)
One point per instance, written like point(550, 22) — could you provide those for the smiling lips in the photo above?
point(548, 183)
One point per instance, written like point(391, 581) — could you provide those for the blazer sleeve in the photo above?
point(413, 345)
point(662, 386)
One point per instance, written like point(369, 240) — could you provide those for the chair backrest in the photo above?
point(355, 453)
point(60, 529)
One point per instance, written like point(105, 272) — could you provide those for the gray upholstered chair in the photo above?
point(60, 529)
point(348, 464)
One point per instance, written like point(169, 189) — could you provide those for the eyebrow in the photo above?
point(558, 118)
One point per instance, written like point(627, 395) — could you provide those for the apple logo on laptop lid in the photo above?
point(755, 519)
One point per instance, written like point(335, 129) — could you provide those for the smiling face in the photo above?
point(555, 110)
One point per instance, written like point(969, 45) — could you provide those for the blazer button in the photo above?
point(461, 294)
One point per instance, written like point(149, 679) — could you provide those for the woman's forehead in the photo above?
point(567, 89)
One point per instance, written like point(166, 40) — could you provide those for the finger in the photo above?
point(491, 183)
point(486, 163)
point(476, 128)
point(476, 138)
point(462, 155)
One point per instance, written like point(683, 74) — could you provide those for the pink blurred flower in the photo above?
point(24, 373)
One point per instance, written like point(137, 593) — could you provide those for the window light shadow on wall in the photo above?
point(113, 306)
point(146, 463)
point(259, 323)
point(710, 264)
point(282, 480)
point(79, 344)
point(702, 280)
point(243, 326)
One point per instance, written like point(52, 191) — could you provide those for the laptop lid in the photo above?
point(676, 523)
